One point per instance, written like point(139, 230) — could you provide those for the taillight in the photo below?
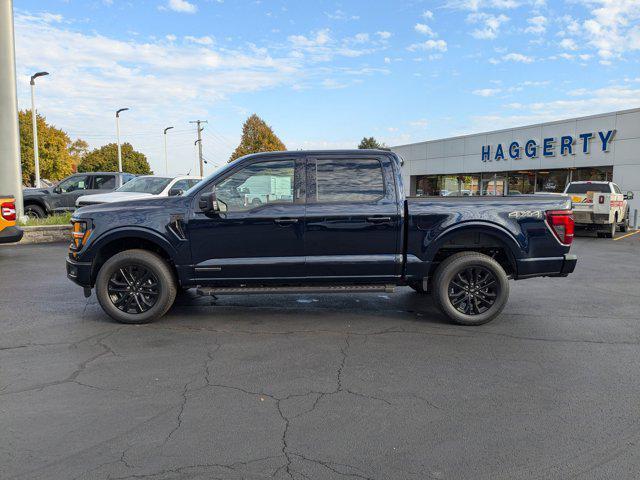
point(601, 199)
point(8, 211)
point(561, 223)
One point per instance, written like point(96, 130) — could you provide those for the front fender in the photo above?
point(125, 232)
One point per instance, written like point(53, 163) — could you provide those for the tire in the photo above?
point(624, 226)
point(487, 271)
point(118, 276)
point(34, 211)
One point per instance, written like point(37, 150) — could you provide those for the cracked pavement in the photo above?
point(322, 386)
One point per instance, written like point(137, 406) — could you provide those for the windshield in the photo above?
point(152, 185)
point(588, 187)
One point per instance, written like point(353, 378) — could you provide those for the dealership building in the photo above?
point(530, 159)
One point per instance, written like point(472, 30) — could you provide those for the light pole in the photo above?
point(118, 137)
point(166, 157)
point(34, 119)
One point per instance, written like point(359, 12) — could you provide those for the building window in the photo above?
point(522, 183)
point(552, 180)
point(427, 186)
point(493, 184)
point(601, 174)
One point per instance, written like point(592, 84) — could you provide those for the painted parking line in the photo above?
point(627, 235)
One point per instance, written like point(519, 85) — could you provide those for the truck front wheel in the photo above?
point(470, 288)
point(135, 286)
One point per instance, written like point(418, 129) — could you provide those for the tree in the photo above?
point(78, 150)
point(371, 143)
point(56, 161)
point(105, 159)
point(257, 136)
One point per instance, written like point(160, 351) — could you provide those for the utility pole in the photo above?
point(166, 157)
point(199, 142)
point(10, 169)
point(34, 119)
point(118, 137)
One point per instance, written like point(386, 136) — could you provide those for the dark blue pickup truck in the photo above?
point(318, 221)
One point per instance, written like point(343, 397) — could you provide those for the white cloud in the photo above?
point(614, 27)
point(427, 14)
point(586, 102)
point(487, 92)
point(424, 29)
point(491, 24)
point(171, 37)
point(182, 6)
point(205, 40)
point(420, 123)
point(361, 38)
point(341, 15)
point(517, 57)
point(537, 25)
point(384, 35)
point(475, 5)
point(322, 37)
point(438, 45)
point(568, 44)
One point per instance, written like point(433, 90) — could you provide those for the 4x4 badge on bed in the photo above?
point(526, 214)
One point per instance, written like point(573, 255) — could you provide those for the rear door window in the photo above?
point(348, 180)
point(589, 187)
point(104, 182)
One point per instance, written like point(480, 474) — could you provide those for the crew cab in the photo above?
point(339, 221)
point(9, 232)
point(42, 202)
point(600, 205)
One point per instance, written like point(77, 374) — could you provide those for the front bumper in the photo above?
point(547, 267)
point(11, 235)
point(79, 272)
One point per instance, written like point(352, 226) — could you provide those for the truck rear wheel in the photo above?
point(135, 286)
point(470, 288)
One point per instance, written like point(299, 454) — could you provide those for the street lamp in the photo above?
point(34, 119)
point(166, 158)
point(118, 137)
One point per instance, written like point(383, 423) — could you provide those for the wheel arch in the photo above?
point(120, 240)
point(482, 237)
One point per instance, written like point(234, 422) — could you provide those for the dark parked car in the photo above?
point(42, 202)
point(330, 222)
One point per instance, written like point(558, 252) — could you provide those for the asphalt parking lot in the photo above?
point(323, 387)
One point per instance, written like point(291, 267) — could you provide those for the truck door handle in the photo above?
point(286, 221)
point(378, 219)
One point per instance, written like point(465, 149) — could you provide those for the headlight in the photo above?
point(80, 233)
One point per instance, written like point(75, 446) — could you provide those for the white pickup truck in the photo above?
point(600, 206)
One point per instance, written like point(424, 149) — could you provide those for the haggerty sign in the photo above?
point(568, 145)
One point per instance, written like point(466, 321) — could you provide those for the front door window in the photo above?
point(256, 185)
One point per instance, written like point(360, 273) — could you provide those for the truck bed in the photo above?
point(515, 224)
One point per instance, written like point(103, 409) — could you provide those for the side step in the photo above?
point(293, 290)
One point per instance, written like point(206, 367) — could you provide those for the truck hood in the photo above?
point(113, 197)
point(35, 192)
point(137, 206)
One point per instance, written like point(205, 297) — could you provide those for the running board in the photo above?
point(214, 291)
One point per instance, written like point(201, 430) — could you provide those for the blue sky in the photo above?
point(323, 74)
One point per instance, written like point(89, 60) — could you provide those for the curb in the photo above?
point(46, 234)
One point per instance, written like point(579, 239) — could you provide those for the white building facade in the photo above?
point(531, 159)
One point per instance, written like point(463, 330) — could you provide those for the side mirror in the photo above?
point(629, 195)
point(175, 192)
point(57, 190)
point(208, 203)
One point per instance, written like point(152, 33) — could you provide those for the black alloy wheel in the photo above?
point(473, 290)
point(133, 289)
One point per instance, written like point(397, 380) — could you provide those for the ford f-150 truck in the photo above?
point(344, 225)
